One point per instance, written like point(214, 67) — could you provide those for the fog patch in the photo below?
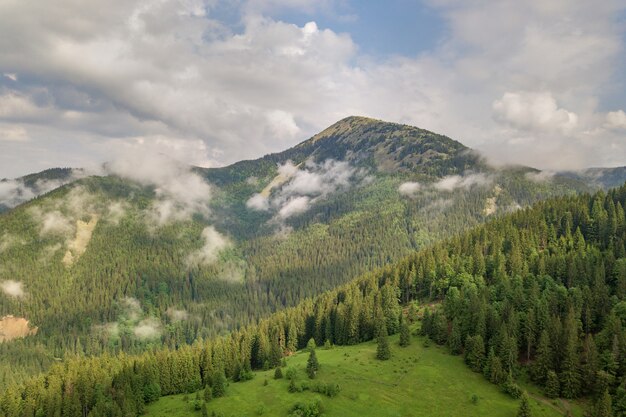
point(132, 321)
point(302, 186)
point(180, 193)
point(176, 315)
point(12, 288)
point(58, 217)
point(541, 176)
point(15, 192)
point(409, 189)
point(214, 243)
point(8, 240)
point(452, 182)
point(293, 206)
point(116, 211)
point(258, 202)
point(148, 328)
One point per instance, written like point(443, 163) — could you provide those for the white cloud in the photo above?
point(12, 288)
point(540, 176)
point(616, 119)
point(214, 243)
point(148, 328)
point(180, 192)
point(531, 111)
point(13, 133)
point(453, 182)
point(300, 188)
point(293, 206)
point(409, 189)
point(127, 70)
point(258, 202)
point(15, 192)
point(58, 217)
point(177, 315)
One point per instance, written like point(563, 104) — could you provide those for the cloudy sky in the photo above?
point(538, 82)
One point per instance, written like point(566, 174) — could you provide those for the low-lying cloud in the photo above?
point(303, 187)
point(177, 315)
point(15, 192)
point(453, 182)
point(12, 288)
point(540, 176)
point(409, 188)
point(214, 243)
point(148, 328)
point(180, 192)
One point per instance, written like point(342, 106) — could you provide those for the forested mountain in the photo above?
point(539, 290)
point(135, 259)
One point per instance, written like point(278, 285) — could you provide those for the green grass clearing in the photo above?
point(417, 381)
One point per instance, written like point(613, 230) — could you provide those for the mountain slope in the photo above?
point(540, 291)
point(170, 259)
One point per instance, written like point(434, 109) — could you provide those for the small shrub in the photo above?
point(197, 405)
point(301, 409)
point(474, 399)
point(278, 373)
point(510, 387)
point(292, 373)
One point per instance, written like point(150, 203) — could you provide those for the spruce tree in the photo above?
point(405, 334)
point(219, 385)
point(455, 342)
point(312, 365)
point(553, 388)
point(383, 351)
point(475, 352)
point(524, 408)
point(603, 405)
point(278, 373)
point(208, 394)
point(543, 361)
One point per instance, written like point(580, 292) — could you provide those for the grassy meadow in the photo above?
point(417, 381)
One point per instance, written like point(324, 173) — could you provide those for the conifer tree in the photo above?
point(603, 405)
point(553, 388)
point(219, 385)
point(312, 365)
point(475, 352)
point(524, 408)
point(383, 351)
point(208, 394)
point(455, 342)
point(278, 373)
point(543, 360)
point(405, 334)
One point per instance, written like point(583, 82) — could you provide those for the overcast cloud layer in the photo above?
point(534, 82)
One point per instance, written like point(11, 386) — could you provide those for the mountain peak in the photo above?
point(389, 147)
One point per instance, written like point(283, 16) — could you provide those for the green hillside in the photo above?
point(417, 381)
point(92, 267)
point(539, 294)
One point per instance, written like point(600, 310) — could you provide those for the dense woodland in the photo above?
point(540, 290)
point(83, 309)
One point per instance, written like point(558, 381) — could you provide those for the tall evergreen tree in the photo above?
point(524, 408)
point(405, 333)
point(383, 351)
point(603, 405)
point(312, 365)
